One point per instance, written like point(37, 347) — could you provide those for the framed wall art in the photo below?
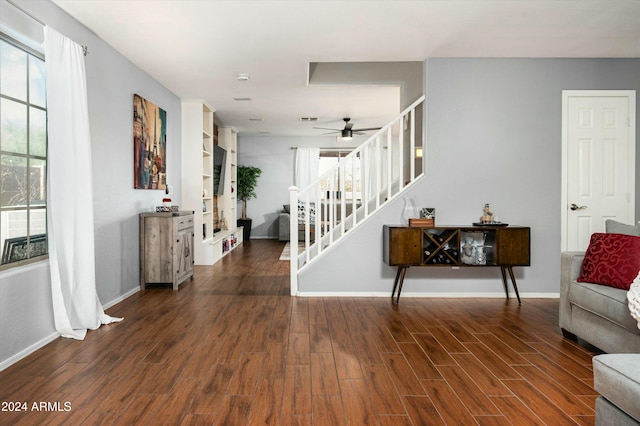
point(149, 145)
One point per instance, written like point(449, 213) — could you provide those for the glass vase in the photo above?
point(410, 210)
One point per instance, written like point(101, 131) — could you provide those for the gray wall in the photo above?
point(493, 136)
point(26, 319)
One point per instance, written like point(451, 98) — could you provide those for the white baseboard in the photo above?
point(121, 298)
point(432, 295)
point(28, 351)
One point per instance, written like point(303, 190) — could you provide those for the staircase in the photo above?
point(360, 184)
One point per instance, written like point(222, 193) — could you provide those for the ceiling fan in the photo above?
point(348, 131)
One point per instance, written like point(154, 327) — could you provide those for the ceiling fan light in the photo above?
point(347, 134)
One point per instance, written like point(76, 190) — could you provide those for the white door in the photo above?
point(598, 163)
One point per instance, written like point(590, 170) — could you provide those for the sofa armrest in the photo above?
point(570, 264)
point(283, 226)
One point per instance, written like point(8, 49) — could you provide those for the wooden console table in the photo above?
point(457, 246)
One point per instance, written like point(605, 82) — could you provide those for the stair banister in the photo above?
point(329, 225)
point(293, 239)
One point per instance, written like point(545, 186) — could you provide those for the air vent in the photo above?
point(242, 99)
point(256, 119)
point(308, 118)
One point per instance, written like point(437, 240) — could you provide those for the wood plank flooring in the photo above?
point(232, 348)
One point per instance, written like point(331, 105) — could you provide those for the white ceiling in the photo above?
point(197, 47)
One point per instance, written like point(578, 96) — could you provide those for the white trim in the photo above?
point(28, 351)
point(121, 298)
point(21, 269)
point(413, 295)
point(566, 94)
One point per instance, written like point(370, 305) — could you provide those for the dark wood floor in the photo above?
point(232, 348)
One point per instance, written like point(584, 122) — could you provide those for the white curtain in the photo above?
point(76, 306)
point(307, 167)
point(372, 164)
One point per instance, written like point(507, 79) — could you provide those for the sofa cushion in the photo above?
point(607, 302)
point(614, 227)
point(612, 260)
point(617, 378)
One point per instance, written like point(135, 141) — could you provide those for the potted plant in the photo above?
point(247, 181)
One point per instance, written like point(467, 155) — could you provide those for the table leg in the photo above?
point(402, 270)
point(513, 281)
point(395, 283)
point(504, 280)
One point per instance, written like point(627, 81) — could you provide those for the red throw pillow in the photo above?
point(612, 260)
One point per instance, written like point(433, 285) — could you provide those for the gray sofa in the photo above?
point(617, 378)
point(595, 313)
point(600, 315)
point(284, 218)
point(284, 230)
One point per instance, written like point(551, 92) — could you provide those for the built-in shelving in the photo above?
point(198, 138)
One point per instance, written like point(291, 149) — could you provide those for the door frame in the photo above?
point(631, 154)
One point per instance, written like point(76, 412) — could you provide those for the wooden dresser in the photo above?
point(166, 248)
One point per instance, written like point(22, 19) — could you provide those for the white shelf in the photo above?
point(197, 149)
point(218, 242)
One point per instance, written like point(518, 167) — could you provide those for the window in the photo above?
point(329, 159)
point(23, 154)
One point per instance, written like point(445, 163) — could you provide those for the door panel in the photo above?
point(599, 162)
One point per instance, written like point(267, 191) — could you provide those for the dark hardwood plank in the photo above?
point(324, 378)
point(296, 398)
point(328, 410)
point(383, 392)
point(358, 408)
point(402, 375)
point(267, 403)
point(474, 399)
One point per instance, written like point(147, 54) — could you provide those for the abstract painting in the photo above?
point(149, 145)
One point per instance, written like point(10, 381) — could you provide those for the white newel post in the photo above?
point(293, 239)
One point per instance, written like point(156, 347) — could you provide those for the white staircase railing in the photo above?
point(363, 181)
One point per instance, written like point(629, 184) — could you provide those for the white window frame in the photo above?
point(29, 209)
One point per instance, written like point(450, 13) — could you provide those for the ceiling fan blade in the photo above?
point(367, 129)
point(348, 126)
point(326, 128)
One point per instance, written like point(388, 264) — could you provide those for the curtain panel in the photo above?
point(307, 168)
point(70, 222)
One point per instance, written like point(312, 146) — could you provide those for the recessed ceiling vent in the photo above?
point(308, 118)
point(242, 99)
